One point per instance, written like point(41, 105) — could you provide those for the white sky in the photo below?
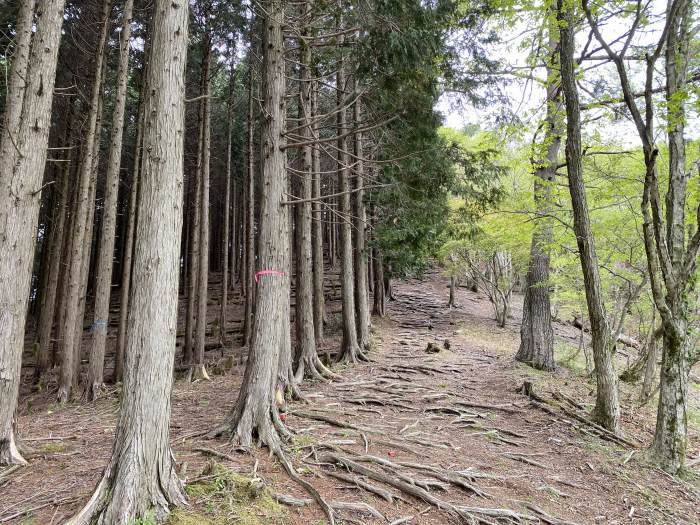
point(526, 98)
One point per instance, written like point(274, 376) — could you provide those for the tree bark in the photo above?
point(350, 351)
point(129, 246)
point(23, 145)
point(255, 409)
point(317, 232)
point(71, 333)
point(195, 241)
point(249, 241)
point(227, 212)
point(140, 478)
point(308, 361)
point(607, 408)
point(103, 284)
point(379, 306)
point(670, 443)
point(536, 334)
point(199, 370)
point(48, 311)
point(360, 236)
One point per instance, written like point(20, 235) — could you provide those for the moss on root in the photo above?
point(229, 498)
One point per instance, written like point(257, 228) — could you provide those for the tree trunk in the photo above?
point(350, 350)
point(199, 371)
point(451, 303)
point(536, 334)
point(379, 306)
point(360, 236)
point(607, 408)
point(254, 409)
point(227, 214)
point(103, 285)
point(129, 245)
point(670, 443)
point(317, 233)
point(140, 478)
point(650, 368)
point(249, 241)
point(308, 362)
point(72, 305)
point(23, 145)
point(48, 311)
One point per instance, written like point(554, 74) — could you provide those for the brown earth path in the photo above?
point(451, 424)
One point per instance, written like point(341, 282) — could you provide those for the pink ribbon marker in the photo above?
point(267, 272)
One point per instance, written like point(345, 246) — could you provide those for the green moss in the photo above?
point(694, 418)
point(53, 448)
point(568, 356)
point(229, 498)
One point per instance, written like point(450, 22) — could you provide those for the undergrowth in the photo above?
point(229, 498)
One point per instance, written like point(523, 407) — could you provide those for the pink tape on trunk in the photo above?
point(267, 272)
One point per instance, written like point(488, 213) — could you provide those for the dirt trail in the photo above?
point(449, 427)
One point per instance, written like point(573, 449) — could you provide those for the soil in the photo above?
point(501, 457)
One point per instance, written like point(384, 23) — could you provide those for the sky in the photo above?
point(526, 98)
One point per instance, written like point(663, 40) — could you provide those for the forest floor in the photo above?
point(451, 427)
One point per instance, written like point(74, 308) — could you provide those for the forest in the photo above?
point(333, 262)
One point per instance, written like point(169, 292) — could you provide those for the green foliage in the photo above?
point(229, 498)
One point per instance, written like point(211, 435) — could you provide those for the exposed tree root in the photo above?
point(24, 512)
point(386, 495)
point(525, 459)
point(289, 468)
point(412, 489)
point(311, 366)
point(527, 389)
point(246, 420)
point(317, 416)
point(353, 355)
point(9, 452)
point(127, 491)
point(459, 479)
point(360, 507)
point(198, 372)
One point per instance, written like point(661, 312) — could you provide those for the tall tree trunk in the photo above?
point(125, 290)
point(198, 371)
point(249, 241)
point(536, 334)
point(308, 362)
point(23, 145)
point(350, 351)
point(194, 223)
point(72, 306)
point(317, 229)
point(670, 443)
point(103, 284)
point(360, 235)
point(254, 410)
point(379, 305)
point(48, 301)
point(607, 408)
point(227, 213)
point(88, 244)
point(141, 478)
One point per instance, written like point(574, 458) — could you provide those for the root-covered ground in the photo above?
point(415, 437)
